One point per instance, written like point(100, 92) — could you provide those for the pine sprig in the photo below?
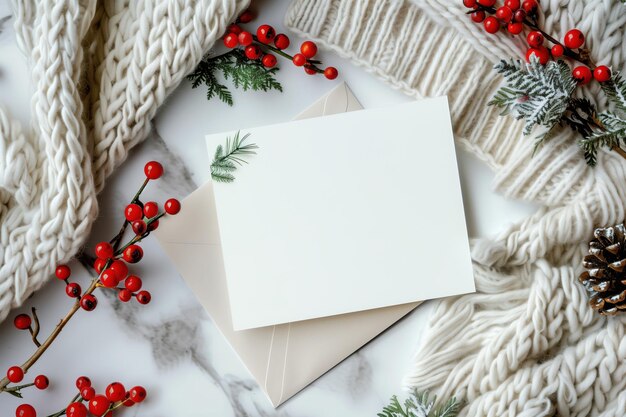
point(228, 157)
point(615, 90)
point(420, 405)
point(245, 73)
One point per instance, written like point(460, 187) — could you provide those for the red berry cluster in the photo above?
point(98, 405)
point(514, 15)
point(256, 47)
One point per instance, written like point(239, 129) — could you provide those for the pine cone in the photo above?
point(605, 279)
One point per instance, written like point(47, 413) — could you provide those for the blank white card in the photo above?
point(344, 213)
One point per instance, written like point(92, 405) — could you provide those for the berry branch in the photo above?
point(111, 268)
point(542, 92)
point(252, 61)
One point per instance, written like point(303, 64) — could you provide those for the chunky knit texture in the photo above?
point(526, 344)
point(100, 70)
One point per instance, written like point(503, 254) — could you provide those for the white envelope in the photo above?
point(285, 358)
point(345, 213)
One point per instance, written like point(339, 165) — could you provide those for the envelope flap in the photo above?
point(196, 223)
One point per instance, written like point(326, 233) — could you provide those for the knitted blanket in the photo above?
point(526, 344)
point(100, 70)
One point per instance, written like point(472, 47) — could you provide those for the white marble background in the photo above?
point(170, 346)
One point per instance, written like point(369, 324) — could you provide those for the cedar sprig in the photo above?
point(228, 157)
point(542, 95)
point(247, 74)
point(420, 405)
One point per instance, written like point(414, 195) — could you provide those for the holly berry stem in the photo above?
point(16, 388)
point(61, 412)
point(310, 63)
point(115, 242)
point(34, 330)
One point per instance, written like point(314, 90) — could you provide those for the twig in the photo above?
point(62, 411)
point(34, 331)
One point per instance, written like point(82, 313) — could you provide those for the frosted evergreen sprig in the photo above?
point(227, 158)
point(420, 405)
point(542, 95)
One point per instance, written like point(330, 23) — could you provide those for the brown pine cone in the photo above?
point(605, 278)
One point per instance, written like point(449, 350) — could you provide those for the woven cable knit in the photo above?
point(526, 344)
point(100, 71)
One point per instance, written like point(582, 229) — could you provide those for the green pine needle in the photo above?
point(228, 157)
point(420, 405)
point(247, 74)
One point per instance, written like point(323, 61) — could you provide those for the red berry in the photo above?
point(582, 74)
point(15, 374)
point(22, 321)
point(246, 17)
point(25, 410)
point(115, 392)
point(236, 29)
point(331, 73)
point(515, 28)
point(281, 41)
point(478, 16)
point(120, 267)
point(308, 49)
point(245, 38)
point(153, 225)
point(133, 212)
point(299, 60)
point(41, 382)
point(541, 53)
point(137, 394)
point(133, 283)
point(519, 16)
point(530, 6)
point(88, 302)
point(512, 4)
point(602, 73)
point(574, 39)
point(492, 25)
point(153, 170)
point(268, 60)
point(505, 14)
point(150, 209)
point(265, 34)
point(309, 70)
point(104, 250)
point(109, 278)
point(87, 393)
point(99, 405)
point(124, 295)
point(128, 403)
point(82, 382)
point(470, 4)
point(143, 297)
point(487, 3)
point(230, 40)
point(76, 410)
point(133, 254)
point(139, 227)
point(252, 52)
point(99, 264)
point(557, 51)
point(63, 272)
point(73, 290)
point(535, 39)
point(172, 206)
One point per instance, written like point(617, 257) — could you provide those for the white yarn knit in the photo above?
point(526, 344)
point(100, 70)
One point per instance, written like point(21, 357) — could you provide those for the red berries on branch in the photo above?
point(513, 16)
point(265, 44)
point(111, 264)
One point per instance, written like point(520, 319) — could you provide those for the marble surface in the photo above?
point(171, 345)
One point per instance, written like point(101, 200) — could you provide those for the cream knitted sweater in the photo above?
point(526, 344)
point(100, 70)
